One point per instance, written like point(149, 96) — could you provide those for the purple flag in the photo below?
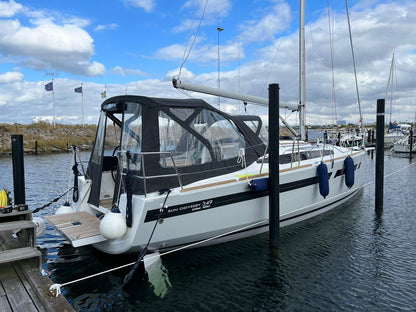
point(49, 86)
point(78, 90)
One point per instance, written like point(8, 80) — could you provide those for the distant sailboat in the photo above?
point(394, 132)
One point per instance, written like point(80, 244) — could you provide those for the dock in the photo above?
point(22, 285)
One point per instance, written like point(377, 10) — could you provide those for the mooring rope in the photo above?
point(53, 201)
point(56, 288)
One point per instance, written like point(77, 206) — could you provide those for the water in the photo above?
point(350, 259)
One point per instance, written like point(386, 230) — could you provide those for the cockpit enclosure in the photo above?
point(168, 142)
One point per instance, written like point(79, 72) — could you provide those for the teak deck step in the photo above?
point(79, 228)
point(16, 225)
point(11, 255)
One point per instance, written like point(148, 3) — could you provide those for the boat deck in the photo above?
point(79, 228)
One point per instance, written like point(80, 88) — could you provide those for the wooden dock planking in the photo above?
point(38, 285)
point(16, 293)
point(4, 304)
point(22, 286)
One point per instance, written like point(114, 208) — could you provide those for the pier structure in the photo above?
point(23, 287)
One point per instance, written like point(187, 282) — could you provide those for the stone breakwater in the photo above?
point(49, 139)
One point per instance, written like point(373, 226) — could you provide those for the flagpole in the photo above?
point(82, 103)
point(53, 104)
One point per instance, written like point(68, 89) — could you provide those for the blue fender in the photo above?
point(259, 185)
point(323, 179)
point(349, 171)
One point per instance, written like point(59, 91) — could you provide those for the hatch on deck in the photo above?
point(79, 228)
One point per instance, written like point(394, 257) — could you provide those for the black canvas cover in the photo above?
point(168, 127)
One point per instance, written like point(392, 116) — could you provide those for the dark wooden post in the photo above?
point(274, 188)
point(380, 155)
point(18, 170)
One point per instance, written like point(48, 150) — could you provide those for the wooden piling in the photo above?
point(18, 169)
point(380, 155)
point(274, 187)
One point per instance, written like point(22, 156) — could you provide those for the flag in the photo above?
point(49, 86)
point(104, 94)
point(78, 90)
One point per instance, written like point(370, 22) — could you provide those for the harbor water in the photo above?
point(349, 259)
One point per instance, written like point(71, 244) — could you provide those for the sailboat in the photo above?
point(394, 133)
point(187, 174)
point(406, 144)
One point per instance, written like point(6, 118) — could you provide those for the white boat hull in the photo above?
point(219, 206)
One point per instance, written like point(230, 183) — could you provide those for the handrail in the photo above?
point(144, 177)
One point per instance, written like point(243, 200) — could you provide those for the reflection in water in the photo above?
point(158, 276)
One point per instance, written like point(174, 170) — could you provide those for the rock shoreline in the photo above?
point(44, 138)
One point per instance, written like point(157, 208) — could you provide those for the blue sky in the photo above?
point(136, 46)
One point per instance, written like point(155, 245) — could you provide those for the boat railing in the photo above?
point(295, 156)
point(145, 177)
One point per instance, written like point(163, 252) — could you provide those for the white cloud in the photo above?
point(146, 5)
point(200, 53)
point(215, 11)
point(10, 77)
point(118, 70)
point(106, 27)
point(273, 20)
point(185, 74)
point(376, 32)
point(172, 52)
point(92, 69)
point(48, 45)
point(10, 8)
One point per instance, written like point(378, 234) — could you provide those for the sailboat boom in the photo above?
point(179, 84)
point(236, 96)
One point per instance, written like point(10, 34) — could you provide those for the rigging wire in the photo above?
point(332, 66)
point(184, 59)
point(355, 70)
point(389, 82)
point(278, 46)
point(396, 88)
point(238, 53)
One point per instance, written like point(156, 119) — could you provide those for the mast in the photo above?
point(389, 83)
point(302, 97)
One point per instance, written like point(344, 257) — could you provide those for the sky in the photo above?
point(138, 46)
